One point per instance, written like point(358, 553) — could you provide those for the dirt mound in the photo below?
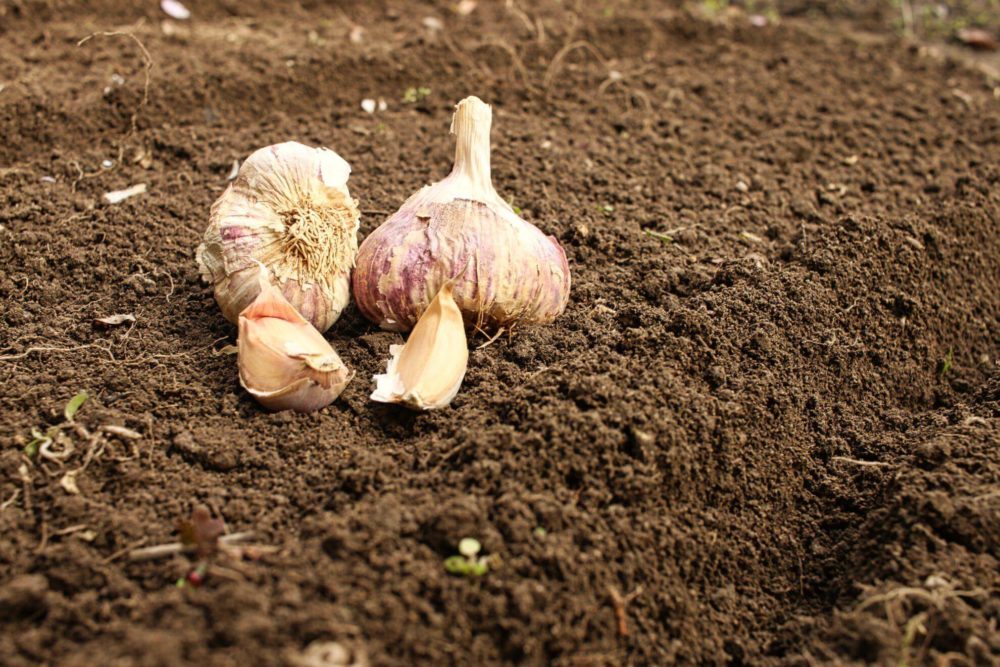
point(764, 432)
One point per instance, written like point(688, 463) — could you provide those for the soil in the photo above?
point(769, 435)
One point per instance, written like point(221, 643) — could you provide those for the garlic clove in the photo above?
point(285, 363)
point(290, 209)
point(427, 371)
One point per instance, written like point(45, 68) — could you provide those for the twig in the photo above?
point(121, 552)
point(871, 464)
point(10, 501)
point(32, 350)
point(161, 550)
point(620, 602)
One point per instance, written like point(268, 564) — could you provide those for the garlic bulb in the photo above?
point(427, 371)
point(289, 208)
point(285, 363)
point(506, 271)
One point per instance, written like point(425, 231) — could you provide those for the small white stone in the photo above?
point(368, 105)
point(175, 10)
point(433, 23)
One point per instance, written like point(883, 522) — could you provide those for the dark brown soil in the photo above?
point(773, 440)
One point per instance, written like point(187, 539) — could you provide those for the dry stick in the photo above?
point(620, 602)
point(161, 550)
point(121, 552)
point(10, 501)
point(871, 464)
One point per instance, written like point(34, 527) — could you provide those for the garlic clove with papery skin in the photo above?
point(507, 272)
point(426, 372)
point(289, 209)
point(284, 362)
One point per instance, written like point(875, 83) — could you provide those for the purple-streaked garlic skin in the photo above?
point(251, 221)
point(507, 272)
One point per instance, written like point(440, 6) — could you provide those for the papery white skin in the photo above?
point(288, 208)
point(506, 271)
point(285, 363)
point(426, 373)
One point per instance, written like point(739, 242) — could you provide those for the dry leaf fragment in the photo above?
point(115, 320)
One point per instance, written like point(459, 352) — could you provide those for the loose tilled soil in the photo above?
point(772, 439)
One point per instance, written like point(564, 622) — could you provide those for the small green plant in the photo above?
point(414, 95)
point(39, 439)
point(606, 209)
point(945, 365)
point(666, 239)
point(517, 209)
point(540, 532)
point(469, 563)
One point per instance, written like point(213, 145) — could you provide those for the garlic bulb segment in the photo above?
point(285, 363)
point(427, 371)
point(506, 271)
point(288, 208)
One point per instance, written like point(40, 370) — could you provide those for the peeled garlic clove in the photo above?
point(506, 271)
point(289, 209)
point(285, 363)
point(427, 371)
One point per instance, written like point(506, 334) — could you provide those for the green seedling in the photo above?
point(74, 405)
point(39, 439)
point(540, 532)
point(946, 364)
point(414, 95)
point(469, 563)
point(516, 209)
point(606, 209)
point(663, 238)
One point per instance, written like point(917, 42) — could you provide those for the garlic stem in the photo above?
point(471, 125)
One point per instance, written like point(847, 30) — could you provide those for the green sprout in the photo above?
point(469, 563)
point(947, 363)
point(40, 439)
point(510, 202)
point(540, 532)
point(74, 404)
point(414, 95)
point(666, 239)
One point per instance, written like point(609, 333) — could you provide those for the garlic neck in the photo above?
point(471, 126)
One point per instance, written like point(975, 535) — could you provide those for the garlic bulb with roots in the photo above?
point(289, 209)
point(506, 272)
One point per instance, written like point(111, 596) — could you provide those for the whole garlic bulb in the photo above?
point(506, 271)
point(290, 210)
point(285, 363)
